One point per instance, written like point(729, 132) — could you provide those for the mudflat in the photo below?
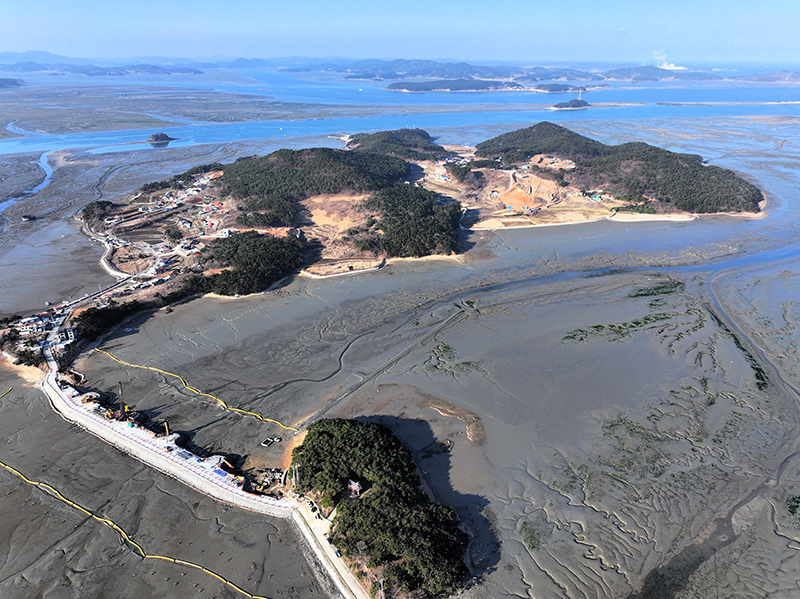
point(51, 550)
point(609, 407)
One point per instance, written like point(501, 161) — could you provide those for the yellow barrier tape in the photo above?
point(138, 548)
point(193, 390)
point(7, 392)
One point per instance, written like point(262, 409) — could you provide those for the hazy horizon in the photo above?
point(48, 58)
point(704, 33)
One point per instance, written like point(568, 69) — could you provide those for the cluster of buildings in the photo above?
point(31, 332)
point(205, 211)
point(160, 206)
point(33, 325)
point(553, 162)
point(598, 195)
point(134, 432)
point(117, 242)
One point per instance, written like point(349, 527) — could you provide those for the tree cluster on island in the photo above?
point(558, 88)
point(272, 186)
point(409, 144)
point(94, 321)
point(392, 529)
point(404, 220)
point(255, 261)
point(178, 181)
point(159, 137)
point(94, 213)
point(573, 104)
point(634, 172)
point(11, 344)
point(408, 221)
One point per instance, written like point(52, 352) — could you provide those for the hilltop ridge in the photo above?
point(635, 172)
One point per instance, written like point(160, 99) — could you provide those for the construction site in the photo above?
point(523, 197)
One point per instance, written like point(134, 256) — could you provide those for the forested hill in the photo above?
point(302, 173)
point(411, 222)
point(273, 184)
point(542, 138)
point(631, 171)
point(392, 529)
point(412, 144)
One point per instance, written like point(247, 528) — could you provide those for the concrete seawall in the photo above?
point(201, 474)
point(163, 454)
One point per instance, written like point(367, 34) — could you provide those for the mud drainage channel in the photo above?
point(666, 582)
point(670, 579)
point(48, 171)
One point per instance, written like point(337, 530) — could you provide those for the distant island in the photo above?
point(571, 105)
point(159, 140)
point(400, 68)
point(372, 69)
point(648, 73)
point(778, 76)
point(558, 88)
point(156, 137)
point(452, 85)
point(5, 82)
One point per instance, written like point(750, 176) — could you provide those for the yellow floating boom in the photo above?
point(130, 542)
point(193, 390)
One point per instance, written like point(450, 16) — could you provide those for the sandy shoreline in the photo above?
point(496, 224)
point(630, 217)
point(385, 262)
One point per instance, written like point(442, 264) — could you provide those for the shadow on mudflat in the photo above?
point(432, 457)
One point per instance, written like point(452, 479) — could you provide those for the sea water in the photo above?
point(398, 110)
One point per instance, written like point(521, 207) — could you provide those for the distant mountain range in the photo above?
point(398, 69)
point(41, 57)
point(371, 69)
point(95, 71)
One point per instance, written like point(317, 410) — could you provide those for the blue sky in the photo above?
point(680, 31)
